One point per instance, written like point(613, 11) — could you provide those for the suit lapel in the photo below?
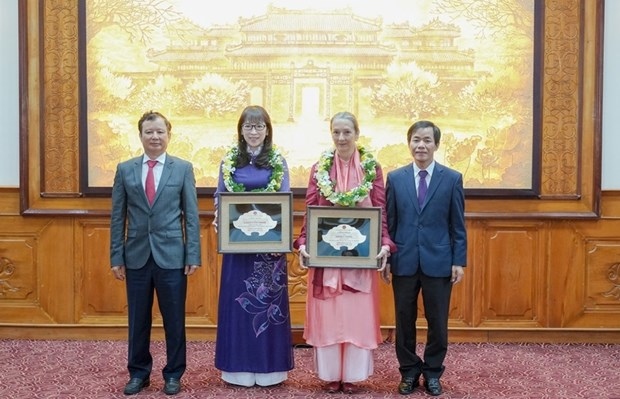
point(165, 175)
point(435, 182)
point(137, 175)
point(412, 192)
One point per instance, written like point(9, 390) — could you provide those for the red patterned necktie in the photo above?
point(149, 185)
point(422, 187)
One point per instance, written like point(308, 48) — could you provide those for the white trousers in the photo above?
point(250, 379)
point(343, 362)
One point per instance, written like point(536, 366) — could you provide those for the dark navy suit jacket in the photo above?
point(432, 237)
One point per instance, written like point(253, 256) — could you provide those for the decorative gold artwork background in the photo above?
point(433, 60)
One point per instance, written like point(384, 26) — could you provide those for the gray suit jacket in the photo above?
point(432, 237)
point(170, 229)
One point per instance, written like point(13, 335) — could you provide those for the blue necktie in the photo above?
point(422, 187)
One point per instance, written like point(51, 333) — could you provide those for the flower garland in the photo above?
point(356, 194)
point(275, 162)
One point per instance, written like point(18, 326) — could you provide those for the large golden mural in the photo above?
point(467, 65)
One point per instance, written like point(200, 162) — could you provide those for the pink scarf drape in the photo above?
point(330, 282)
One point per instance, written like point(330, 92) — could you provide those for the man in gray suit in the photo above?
point(425, 209)
point(154, 246)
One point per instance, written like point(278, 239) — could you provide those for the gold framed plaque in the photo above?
point(254, 222)
point(343, 237)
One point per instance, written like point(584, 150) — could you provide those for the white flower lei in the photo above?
point(275, 162)
point(356, 194)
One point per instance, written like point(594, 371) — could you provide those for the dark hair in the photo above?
point(150, 116)
point(421, 125)
point(345, 115)
point(253, 114)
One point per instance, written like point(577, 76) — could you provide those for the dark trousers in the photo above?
point(171, 288)
point(436, 300)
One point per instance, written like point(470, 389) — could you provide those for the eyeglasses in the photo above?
point(249, 126)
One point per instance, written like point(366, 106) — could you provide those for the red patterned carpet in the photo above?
point(96, 369)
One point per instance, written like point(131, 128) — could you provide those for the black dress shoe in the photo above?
point(408, 385)
point(172, 386)
point(433, 386)
point(135, 385)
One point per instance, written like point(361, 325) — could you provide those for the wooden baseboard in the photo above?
point(208, 333)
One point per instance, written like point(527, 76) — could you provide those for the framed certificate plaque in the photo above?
point(254, 222)
point(343, 237)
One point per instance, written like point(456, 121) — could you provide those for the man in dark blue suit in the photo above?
point(425, 210)
point(154, 246)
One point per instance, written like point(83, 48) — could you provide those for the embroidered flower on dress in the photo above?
point(266, 290)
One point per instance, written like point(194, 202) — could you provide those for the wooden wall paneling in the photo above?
point(297, 289)
point(386, 305)
point(475, 269)
point(591, 102)
point(512, 289)
point(55, 268)
point(60, 136)
point(461, 300)
point(602, 270)
point(464, 293)
point(100, 298)
point(9, 202)
point(202, 289)
point(586, 287)
point(566, 274)
point(36, 277)
point(19, 279)
point(580, 287)
point(561, 99)
point(49, 125)
point(610, 205)
point(297, 284)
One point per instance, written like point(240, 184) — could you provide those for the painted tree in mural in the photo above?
point(215, 96)
point(132, 25)
point(507, 18)
point(109, 88)
point(408, 92)
point(166, 89)
point(510, 22)
point(139, 19)
point(501, 100)
point(393, 156)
